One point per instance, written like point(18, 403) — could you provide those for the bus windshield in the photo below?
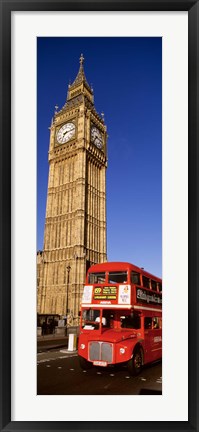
point(90, 319)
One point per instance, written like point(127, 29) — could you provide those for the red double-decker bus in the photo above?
point(121, 317)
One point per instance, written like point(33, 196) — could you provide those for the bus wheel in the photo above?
point(135, 364)
point(85, 364)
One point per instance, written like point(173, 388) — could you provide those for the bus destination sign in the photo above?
point(105, 293)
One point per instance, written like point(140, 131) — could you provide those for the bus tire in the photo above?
point(135, 364)
point(84, 364)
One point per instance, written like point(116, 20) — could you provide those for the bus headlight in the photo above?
point(122, 350)
point(82, 346)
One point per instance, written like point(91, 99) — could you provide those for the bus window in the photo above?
point(159, 287)
point(117, 277)
point(135, 278)
point(96, 278)
point(89, 318)
point(147, 323)
point(146, 282)
point(155, 323)
point(104, 321)
point(107, 318)
point(153, 285)
point(130, 321)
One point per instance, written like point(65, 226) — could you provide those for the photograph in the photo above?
point(99, 216)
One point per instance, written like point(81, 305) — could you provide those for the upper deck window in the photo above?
point(117, 277)
point(96, 278)
point(135, 278)
point(153, 285)
point(146, 282)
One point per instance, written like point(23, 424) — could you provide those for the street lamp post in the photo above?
point(75, 287)
point(67, 288)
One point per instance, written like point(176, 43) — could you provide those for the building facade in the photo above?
point(75, 224)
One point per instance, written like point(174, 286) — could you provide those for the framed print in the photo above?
point(28, 28)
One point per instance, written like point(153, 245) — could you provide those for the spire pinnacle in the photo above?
point(81, 60)
point(81, 75)
point(80, 84)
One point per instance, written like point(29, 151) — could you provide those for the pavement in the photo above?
point(51, 341)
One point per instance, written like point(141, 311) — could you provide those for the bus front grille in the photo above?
point(101, 351)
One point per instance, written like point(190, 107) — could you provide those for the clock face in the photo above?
point(96, 137)
point(66, 133)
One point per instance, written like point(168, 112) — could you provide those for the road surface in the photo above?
point(59, 373)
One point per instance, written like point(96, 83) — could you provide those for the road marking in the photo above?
point(72, 369)
point(99, 373)
point(112, 374)
point(56, 358)
point(127, 377)
point(143, 379)
point(59, 367)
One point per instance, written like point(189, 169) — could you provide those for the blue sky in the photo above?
point(126, 75)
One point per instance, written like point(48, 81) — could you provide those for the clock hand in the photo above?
point(70, 130)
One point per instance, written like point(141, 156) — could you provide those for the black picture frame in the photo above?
point(6, 8)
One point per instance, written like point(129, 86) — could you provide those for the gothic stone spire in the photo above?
point(80, 78)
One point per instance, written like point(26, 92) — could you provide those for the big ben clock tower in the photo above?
point(75, 225)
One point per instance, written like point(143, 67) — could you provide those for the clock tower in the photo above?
point(75, 224)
